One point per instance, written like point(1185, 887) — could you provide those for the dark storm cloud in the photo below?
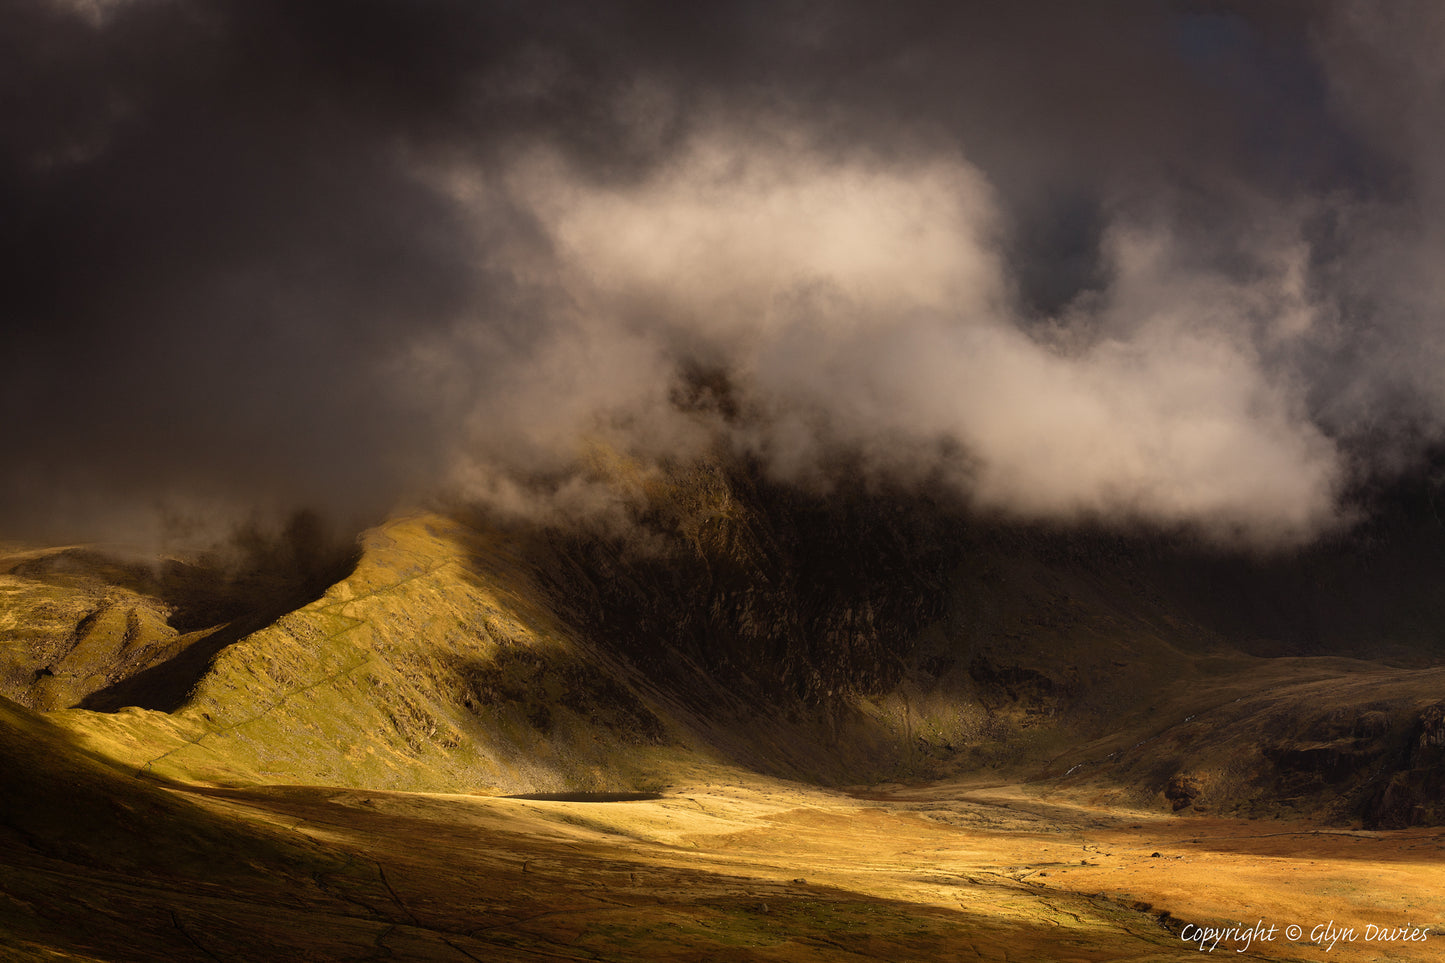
point(203, 265)
point(1128, 259)
point(218, 253)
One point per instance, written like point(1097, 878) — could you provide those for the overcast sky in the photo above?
point(1165, 262)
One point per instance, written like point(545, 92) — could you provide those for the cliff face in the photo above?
point(851, 636)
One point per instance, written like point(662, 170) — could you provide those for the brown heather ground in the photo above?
point(739, 868)
point(336, 782)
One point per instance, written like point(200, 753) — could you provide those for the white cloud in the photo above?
point(864, 307)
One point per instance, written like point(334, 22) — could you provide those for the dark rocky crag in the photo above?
point(851, 634)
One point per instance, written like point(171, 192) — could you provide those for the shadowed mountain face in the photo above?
point(844, 637)
point(618, 708)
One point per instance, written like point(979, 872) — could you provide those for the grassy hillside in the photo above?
point(419, 670)
point(71, 623)
point(852, 637)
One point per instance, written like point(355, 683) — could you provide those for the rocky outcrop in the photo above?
point(1414, 793)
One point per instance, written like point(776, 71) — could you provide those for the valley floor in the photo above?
point(748, 869)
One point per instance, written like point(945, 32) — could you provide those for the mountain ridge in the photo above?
point(849, 637)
